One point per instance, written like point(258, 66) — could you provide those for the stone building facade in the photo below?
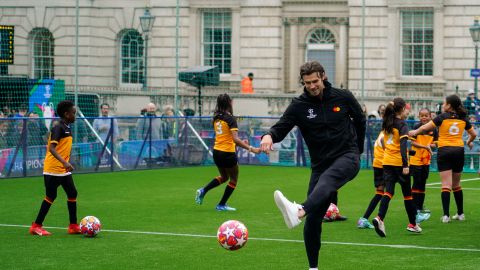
point(418, 49)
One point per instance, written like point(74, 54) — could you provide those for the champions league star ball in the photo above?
point(90, 226)
point(232, 235)
point(332, 212)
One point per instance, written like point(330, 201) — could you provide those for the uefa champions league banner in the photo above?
point(44, 97)
point(34, 161)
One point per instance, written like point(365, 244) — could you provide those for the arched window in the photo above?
point(321, 36)
point(42, 44)
point(321, 47)
point(131, 57)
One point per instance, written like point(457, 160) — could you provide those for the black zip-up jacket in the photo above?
point(331, 126)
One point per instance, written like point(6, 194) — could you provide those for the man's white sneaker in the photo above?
point(459, 217)
point(289, 210)
point(379, 227)
point(445, 219)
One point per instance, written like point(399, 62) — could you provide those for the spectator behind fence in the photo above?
point(7, 111)
point(381, 111)
point(144, 122)
point(364, 110)
point(37, 131)
point(103, 124)
point(472, 155)
point(471, 103)
point(4, 134)
point(247, 84)
point(168, 124)
point(22, 110)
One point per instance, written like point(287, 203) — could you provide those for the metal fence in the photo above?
point(133, 143)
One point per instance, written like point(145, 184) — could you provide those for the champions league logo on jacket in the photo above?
point(311, 115)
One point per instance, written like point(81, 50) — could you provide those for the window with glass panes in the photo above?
point(217, 39)
point(417, 43)
point(131, 57)
point(42, 53)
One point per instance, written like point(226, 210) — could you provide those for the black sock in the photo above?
point(228, 191)
point(213, 184)
point(418, 199)
point(382, 211)
point(411, 210)
point(458, 195)
point(421, 200)
point(446, 201)
point(43, 212)
point(72, 211)
point(372, 205)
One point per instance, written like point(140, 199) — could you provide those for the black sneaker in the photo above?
point(340, 218)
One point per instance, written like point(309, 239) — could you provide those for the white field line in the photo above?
point(463, 188)
point(461, 181)
point(270, 239)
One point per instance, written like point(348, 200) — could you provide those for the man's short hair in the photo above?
point(311, 67)
point(104, 104)
point(250, 74)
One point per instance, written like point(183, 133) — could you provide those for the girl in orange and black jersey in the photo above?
point(420, 161)
point(378, 182)
point(395, 165)
point(224, 156)
point(451, 154)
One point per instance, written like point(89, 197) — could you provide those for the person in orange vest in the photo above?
point(247, 86)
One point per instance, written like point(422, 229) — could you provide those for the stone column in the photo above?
point(235, 51)
point(438, 40)
point(293, 55)
point(392, 51)
point(341, 65)
point(194, 38)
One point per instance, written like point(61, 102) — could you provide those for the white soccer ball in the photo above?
point(90, 226)
point(332, 212)
point(232, 235)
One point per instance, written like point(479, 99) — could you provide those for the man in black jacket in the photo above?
point(333, 126)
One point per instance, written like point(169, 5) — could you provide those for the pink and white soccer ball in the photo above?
point(332, 211)
point(232, 235)
point(90, 226)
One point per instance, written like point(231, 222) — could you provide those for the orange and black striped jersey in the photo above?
point(422, 156)
point(60, 135)
point(378, 151)
point(223, 125)
point(393, 155)
point(450, 129)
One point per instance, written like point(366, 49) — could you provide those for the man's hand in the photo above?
point(406, 171)
point(266, 145)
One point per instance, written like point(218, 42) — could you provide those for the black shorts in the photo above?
point(378, 177)
point(225, 159)
point(419, 172)
point(451, 158)
point(52, 182)
point(394, 174)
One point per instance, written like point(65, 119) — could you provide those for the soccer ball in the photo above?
point(332, 212)
point(90, 226)
point(232, 235)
